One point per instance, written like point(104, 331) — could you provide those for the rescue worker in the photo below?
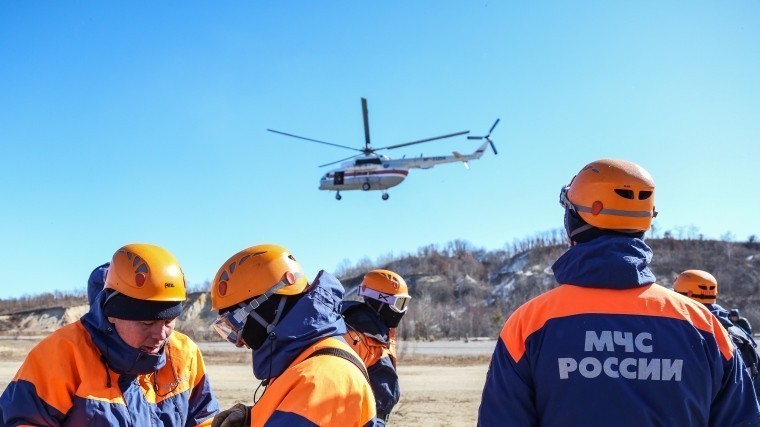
point(702, 287)
point(122, 363)
point(739, 321)
point(309, 374)
point(608, 346)
point(371, 333)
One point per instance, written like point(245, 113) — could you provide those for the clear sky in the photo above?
point(130, 122)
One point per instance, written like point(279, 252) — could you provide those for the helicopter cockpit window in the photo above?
point(370, 161)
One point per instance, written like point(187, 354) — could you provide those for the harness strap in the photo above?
point(343, 354)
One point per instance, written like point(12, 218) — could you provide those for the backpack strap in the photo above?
point(343, 354)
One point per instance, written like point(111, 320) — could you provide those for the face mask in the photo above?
point(390, 317)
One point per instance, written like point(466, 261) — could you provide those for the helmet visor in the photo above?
point(397, 303)
point(230, 324)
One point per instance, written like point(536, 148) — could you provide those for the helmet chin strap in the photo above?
point(580, 229)
point(270, 326)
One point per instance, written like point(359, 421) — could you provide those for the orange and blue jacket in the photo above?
point(611, 347)
point(84, 375)
point(375, 343)
point(323, 390)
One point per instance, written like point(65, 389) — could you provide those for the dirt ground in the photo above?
point(435, 391)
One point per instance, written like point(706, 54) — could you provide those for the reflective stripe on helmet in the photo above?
point(616, 212)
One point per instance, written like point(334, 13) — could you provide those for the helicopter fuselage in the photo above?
point(381, 173)
point(371, 173)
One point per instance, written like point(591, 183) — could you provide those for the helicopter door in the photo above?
point(338, 178)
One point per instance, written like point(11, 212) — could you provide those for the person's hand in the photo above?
point(237, 416)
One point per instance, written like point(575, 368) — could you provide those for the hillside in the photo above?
point(458, 290)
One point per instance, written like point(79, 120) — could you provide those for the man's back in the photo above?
point(649, 355)
point(639, 356)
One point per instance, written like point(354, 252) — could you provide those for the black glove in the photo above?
point(237, 416)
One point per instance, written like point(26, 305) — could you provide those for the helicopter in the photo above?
point(370, 170)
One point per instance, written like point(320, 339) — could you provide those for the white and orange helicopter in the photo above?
point(372, 171)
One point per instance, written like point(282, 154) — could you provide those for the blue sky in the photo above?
point(124, 122)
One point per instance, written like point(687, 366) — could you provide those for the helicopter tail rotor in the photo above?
point(488, 136)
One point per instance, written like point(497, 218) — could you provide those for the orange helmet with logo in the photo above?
point(386, 287)
point(252, 272)
point(698, 285)
point(612, 195)
point(385, 281)
point(146, 272)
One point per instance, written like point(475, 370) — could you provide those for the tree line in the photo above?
point(460, 290)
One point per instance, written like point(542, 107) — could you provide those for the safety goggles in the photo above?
point(397, 303)
point(563, 200)
point(230, 324)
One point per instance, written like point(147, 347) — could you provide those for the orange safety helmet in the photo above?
point(385, 281)
point(612, 195)
point(146, 272)
point(698, 285)
point(253, 271)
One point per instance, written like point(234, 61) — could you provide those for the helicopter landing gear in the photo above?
point(385, 196)
point(338, 196)
point(366, 186)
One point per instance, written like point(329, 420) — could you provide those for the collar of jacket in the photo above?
point(315, 316)
point(121, 357)
point(363, 318)
point(609, 262)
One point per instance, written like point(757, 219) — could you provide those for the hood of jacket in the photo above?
point(720, 313)
point(120, 356)
point(96, 282)
point(363, 318)
point(610, 262)
point(314, 317)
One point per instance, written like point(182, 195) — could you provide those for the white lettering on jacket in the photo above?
point(630, 368)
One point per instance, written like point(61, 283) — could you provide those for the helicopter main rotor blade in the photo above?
point(338, 161)
point(423, 140)
point(475, 137)
point(315, 140)
point(365, 114)
point(492, 127)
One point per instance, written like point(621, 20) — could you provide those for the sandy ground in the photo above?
point(435, 391)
